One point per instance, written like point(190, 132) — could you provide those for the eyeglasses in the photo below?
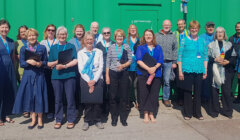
point(51, 30)
point(106, 33)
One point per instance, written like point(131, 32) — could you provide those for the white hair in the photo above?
point(220, 29)
point(106, 28)
point(61, 28)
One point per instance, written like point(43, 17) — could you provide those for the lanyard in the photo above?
point(119, 56)
point(198, 52)
point(79, 47)
point(24, 42)
point(63, 47)
point(36, 48)
point(105, 45)
point(51, 44)
point(150, 52)
point(236, 42)
point(5, 45)
point(132, 44)
point(96, 39)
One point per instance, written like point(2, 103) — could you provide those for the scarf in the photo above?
point(88, 67)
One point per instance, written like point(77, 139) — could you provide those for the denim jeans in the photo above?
point(166, 80)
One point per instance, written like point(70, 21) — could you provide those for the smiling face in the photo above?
point(22, 32)
point(32, 38)
point(79, 32)
point(148, 36)
point(94, 28)
point(119, 38)
point(89, 41)
point(4, 29)
point(194, 31)
point(237, 28)
point(106, 34)
point(133, 30)
point(62, 36)
point(220, 35)
point(181, 25)
point(167, 26)
point(210, 29)
point(51, 32)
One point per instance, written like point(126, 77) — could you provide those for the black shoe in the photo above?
point(31, 126)
point(114, 124)
point(40, 127)
point(124, 123)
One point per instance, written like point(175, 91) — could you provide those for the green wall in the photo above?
point(115, 13)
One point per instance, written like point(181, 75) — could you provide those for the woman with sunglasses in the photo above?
point(104, 45)
point(49, 40)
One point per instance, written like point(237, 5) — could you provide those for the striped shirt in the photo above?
point(112, 56)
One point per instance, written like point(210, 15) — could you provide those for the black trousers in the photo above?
point(192, 107)
point(50, 91)
point(119, 83)
point(105, 105)
point(132, 91)
point(92, 113)
point(148, 94)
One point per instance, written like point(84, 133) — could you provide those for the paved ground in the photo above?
point(170, 126)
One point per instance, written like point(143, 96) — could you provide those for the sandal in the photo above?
point(57, 125)
point(9, 120)
point(187, 118)
point(70, 125)
point(26, 115)
point(1, 123)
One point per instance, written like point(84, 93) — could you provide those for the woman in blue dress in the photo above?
point(8, 85)
point(32, 92)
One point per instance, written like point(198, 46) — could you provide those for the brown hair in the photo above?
point(143, 41)
point(194, 24)
point(128, 35)
point(78, 26)
point(23, 26)
point(119, 31)
point(45, 31)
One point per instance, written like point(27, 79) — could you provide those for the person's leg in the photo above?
point(40, 122)
point(188, 105)
point(197, 96)
point(213, 102)
point(70, 85)
point(166, 82)
point(58, 92)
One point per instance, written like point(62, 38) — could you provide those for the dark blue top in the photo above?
point(157, 55)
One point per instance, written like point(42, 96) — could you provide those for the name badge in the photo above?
point(198, 55)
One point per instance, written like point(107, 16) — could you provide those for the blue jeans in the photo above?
point(166, 80)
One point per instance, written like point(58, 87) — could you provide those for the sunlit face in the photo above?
point(133, 30)
point(181, 25)
point(51, 32)
point(106, 34)
point(220, 35)
point(119, 38)
point(148, 37)
point(79, 32)
point(210, 29)
point(89, 41)
point(62, 36)
point(194, 31)
point(22, 32)
point(94, 28)
point(32, 38)
point(237, 28)
point(167, 26)
point(4, 29)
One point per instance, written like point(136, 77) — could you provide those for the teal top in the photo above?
point(192, 54)
point(53, 56)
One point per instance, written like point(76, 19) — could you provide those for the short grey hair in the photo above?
point(220, 29)
point(106, 28)
point(60, 29)
point(94, 22)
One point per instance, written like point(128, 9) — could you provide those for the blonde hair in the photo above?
point(78, 26)
point(31, 30)
point(128, 35)
point(45, 31)
point(119, 31)
point(88, 33)
point(194, 24)
point(61, 28)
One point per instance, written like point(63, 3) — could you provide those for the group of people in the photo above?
point(105, 76)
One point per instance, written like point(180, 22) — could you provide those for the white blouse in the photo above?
point(97, 63)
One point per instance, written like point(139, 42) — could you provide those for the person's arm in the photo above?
point(179, 59)
point(205, 55)
point(175, 52)
point(100, 68)
point(109, 55)
point(129, 62)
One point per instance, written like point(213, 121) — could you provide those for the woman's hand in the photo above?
point(51, 65)
point(121, 67)
point(218, 59)
point(181, 76)
point(152, 70)
point(32, 62)
point(91, 89)
point(60, 66)
point(91, 83)
point(107, 80)
point(204, 76)
point(39, 64)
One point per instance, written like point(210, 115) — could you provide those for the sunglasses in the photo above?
point(51, 30)
point(105, 33)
